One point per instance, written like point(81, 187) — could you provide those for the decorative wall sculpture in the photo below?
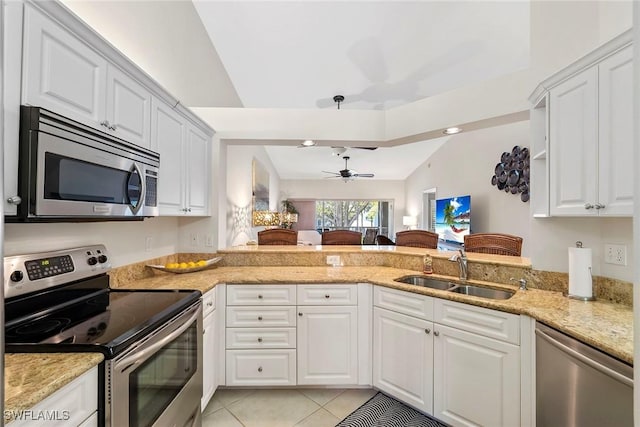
point(511, 175)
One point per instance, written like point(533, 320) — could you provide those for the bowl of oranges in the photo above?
point(186, 267)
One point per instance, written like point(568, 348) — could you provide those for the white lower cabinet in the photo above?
point(476, 379)
point(403, 357)
point(261, 367)
point(327, 345)
point(457, 362)
point(210, 353)
point(74, 405)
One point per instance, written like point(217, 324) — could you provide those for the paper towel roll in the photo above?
point(580, 281)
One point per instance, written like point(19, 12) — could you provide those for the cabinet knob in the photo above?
point(300, 314)
point(259, 296)
point(327, 296)
point(436, 333)
point(260, 369)
point(259, 339)
point(14, 200)
point(204, 331)
point(188, 209)
point(599, 206)
point(259, 317)
point(588, 206)
point(210, 304)
point(427, 331)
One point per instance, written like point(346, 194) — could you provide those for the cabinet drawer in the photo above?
point(328, 294)
point(261, 294)
point(408, 303)
point(479, 320)
point(255, 317)
point(208, 302)
point(261, 367)
point(261, 338)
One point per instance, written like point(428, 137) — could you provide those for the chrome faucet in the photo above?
point(461, 259)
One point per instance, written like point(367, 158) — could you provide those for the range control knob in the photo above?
point(102, 259)
point(16, 276)
point(92, 260)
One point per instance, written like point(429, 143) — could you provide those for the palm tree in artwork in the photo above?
point(449, 211)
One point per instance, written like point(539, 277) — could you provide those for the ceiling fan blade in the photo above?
point(367, 55)
point(332, 173)
point(363, 175)
point(366, 148)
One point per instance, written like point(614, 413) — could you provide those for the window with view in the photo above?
point(356, 215)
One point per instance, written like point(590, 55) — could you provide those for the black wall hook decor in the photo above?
point(511, 174)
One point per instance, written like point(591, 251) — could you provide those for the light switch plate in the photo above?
point(333, 260)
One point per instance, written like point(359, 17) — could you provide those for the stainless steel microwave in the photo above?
point(72, 172)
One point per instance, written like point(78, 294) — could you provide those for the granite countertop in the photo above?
point(30, 378)
point(602, 324)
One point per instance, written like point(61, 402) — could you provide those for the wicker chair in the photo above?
point(341, 237)
point(277, 236)
point(417, 239)
point(383, 240)
point(493, 243)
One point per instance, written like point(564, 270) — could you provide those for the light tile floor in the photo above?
point(282, 408)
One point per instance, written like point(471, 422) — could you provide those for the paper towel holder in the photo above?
point(578, 297)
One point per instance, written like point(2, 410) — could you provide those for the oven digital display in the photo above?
point(48, 267)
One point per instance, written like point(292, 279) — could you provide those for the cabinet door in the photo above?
point(615, 143)
point(573, 149)
point(208, 358)
point(197, 172)
point(128, 108)
point(327, 345)
point(60, 72)
point(476, 379)
point(403, 358)
point(167, 138)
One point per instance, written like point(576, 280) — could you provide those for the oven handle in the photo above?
point(139, 356)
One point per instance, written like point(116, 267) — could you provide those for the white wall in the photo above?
point(357, 189)
point(125, 240)
point(239, 191)
point(465, 165)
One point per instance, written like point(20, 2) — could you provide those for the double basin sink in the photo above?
point(473, 290)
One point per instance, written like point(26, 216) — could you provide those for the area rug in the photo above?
point(384, 411)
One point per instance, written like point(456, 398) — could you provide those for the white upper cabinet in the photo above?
point(60, 72)
point(183, 182)
point(128, 108)
point(585, 168)
point(615, 136)
point(65, 75)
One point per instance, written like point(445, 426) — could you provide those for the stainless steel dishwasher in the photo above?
point(577, 385)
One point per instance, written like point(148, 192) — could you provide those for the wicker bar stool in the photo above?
point(493, 243)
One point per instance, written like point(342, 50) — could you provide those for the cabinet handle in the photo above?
point(113, 127)
point(104, 123)
point(436, 333)
point(259, 339)
point(14, 200)
point(259, 296)
point(327, 296)
point(188, 209)
point(210, 304)
point(599, 206)
point(260, 369)
point(204, 331)
point(300, 314)
point(588, 206)
point(427, 331)
point(259, 317)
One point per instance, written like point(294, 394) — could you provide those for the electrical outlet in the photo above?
point(194, 239)
point(333, 260)
point(208, 240)
point(148, 242)
point(615, 254)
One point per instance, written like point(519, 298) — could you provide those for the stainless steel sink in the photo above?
point(480, 291)
point(426, 282)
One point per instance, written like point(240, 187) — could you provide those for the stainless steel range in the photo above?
point(61, 302)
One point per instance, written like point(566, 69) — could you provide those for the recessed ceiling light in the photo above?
point(308, 143)
point(452, 131)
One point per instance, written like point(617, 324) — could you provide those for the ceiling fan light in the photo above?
point(308, 143)
point(452, 131)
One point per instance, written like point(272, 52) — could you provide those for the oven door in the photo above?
point(159, 381)
point(74, 179)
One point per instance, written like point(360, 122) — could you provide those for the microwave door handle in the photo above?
point(139, 356)
point(143, 185)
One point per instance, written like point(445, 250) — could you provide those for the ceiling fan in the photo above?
point(347, 173)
